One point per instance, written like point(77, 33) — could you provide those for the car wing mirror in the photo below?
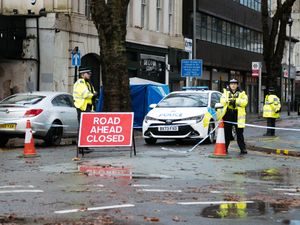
point(152, 106)
point(218, 106)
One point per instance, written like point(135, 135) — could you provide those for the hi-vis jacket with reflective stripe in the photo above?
point(82, 94)
point(271, 107)
point(241, 100)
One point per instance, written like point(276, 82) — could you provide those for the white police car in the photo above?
point(180, 115)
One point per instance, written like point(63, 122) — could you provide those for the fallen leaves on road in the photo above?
point(151, 219)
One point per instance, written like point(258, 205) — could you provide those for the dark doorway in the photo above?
point(92, 61)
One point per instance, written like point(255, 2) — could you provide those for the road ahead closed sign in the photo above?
point(105, 129)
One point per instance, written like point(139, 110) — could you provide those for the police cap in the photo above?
point(85, 70)
point(233, 81)
point(271, 89)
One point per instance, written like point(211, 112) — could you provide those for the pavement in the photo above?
point(285, 142)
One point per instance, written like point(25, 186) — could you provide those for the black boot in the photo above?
point(243, 152)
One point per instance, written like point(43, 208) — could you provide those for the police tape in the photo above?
point(37, 123)
point(263, 127)
point(195, 146)
point(230, 122)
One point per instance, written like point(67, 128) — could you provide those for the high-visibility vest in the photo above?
point(241, 100)
point(271, 107)
point(82, 94)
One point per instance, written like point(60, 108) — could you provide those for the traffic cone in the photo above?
point(29, 149)
point(220, 147)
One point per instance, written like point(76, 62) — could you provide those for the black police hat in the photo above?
point(271, 89)
point(85, 70)
point(233, 81)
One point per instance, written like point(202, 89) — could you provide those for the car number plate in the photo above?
point(11, 126)
point(168, 128)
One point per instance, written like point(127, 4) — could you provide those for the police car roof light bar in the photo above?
point(195, 88)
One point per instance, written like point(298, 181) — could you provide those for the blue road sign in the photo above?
point(191, 67)
point(76, 61)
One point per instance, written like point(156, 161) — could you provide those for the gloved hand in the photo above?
point(232, 103)
point(95, 94)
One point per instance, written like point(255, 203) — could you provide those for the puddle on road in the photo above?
point(106, 171)
point(244, 210)
point(281, 175)
point(291, 222)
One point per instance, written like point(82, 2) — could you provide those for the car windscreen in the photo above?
point(184, 100)
point(22, 100)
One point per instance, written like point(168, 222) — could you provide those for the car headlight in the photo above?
point(197, 118)
point(147, 118)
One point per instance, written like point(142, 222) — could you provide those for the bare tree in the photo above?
point(274, 37)
point(109, 17)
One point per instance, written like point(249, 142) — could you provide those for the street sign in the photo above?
point(188, 45)
point(256, 69)
point(191, 67)
point(76, 61)
point(105, 129)
point(285, 73)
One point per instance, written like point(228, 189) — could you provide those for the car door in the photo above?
point(67, 113)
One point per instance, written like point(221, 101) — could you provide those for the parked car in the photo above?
point(52, 116)
point(180, 115)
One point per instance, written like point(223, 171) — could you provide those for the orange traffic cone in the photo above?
point(220, 147)
point(29, 149)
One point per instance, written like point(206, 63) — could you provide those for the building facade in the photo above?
point(228, 40)
point(43, 34)
point(155, 40)
point(37, 39)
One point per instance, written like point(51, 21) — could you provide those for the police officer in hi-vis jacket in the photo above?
point(83, 94)
point(234, 101)
point(271, 110)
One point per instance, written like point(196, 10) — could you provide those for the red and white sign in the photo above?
point(285, 73)
point(106, 171)
point(256, 69)
point(105, 129)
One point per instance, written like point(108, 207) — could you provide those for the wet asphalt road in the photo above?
point(159, 189)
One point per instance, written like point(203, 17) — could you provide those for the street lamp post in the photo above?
point(290, 23)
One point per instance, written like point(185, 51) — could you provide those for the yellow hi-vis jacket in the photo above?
point(271, 107)
point(241, 100)
point(82, 94)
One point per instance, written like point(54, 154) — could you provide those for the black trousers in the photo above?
point(271, 123)
point(231, 115)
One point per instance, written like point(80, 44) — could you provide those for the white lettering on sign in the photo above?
point(106, 130)
point(105, 138)
point(104, 120)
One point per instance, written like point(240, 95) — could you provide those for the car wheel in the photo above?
point(54, 134)
point(150, 141)
point(3, 141)
point(211, 137)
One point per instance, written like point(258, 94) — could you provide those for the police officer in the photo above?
point(83, 94)
point(271, 110)
point(234, 101)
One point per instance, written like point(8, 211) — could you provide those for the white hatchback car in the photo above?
point(179, 115)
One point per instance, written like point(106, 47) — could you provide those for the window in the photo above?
point(215, 98)
point(63, 100)
point(212, 29)
point(158, 9)
point(209, 26)
point(143, 13)
point(203, 27)
point(170, 16)
point(88, 9)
